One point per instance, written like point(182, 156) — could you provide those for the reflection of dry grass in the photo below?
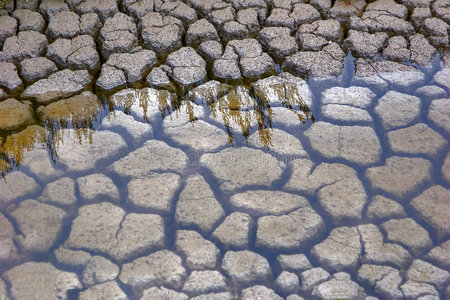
point(209, 92)
point(13, 151)
point(79, 111)
point(16, 145)
point(236, 107)
point(238, 98)
point(242, 106)
point(287, 93)
point(5, 167)
point(84, 135)
point(165, 100)
point(264, 135)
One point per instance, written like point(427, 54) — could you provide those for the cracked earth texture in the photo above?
point(224, 149)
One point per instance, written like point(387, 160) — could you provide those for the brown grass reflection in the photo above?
point(83, 135)
point(79, 111)
point(145, 99)
point(238, 108)
point(250, 107)
point(16, 145)
point(5, 167)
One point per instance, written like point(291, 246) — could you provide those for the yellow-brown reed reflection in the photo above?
point(5, 167)
point(248, 108)
point(236, 107)
point(13, 150)
point(145, 99)
point(288, 94)
point(149, 102)
point(80, 111)
point(83, 135)
point(189, 110)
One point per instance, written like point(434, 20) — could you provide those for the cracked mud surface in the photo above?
point(236, 149)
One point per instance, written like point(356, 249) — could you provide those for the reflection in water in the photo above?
point(248, 107)
point(83, 135)
point(147, 99)
point(16, 145)
point(14, 149)
point(288, 94)
point(79, 111)
point(237, 108)
point(4, 167)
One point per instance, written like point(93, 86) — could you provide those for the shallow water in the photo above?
point(257, 119)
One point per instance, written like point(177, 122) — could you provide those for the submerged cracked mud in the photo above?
point(229, 149)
